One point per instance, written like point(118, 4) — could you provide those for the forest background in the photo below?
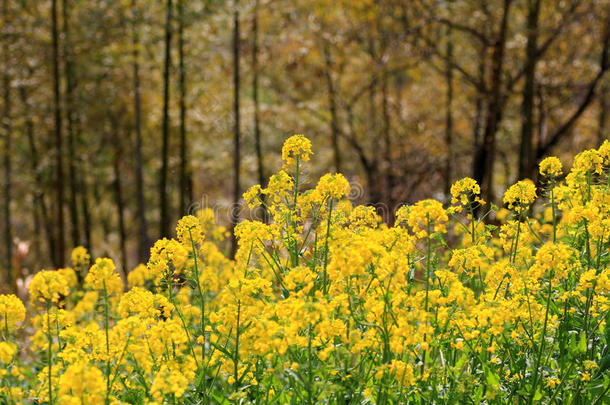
point(118, 117)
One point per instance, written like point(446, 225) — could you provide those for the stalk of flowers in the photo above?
point(12, 314)
point(102, 277)
point(48, 288)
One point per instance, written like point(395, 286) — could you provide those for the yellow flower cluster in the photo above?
point(551, 167)
point(326, 303)
point(296, 147)
point(12, 311)
point(102, 276)
point(80, 258)
point(520, 196)
point(48, 286)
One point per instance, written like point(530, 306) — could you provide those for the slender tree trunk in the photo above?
point(388, 160)
point(37, 233)
point(59, 174)
point(485, 155)
point(260, 169)
point(449, 116)
point(186, 183)
point(163, 197)
point(38, 181)
point(478, 115)
point(604, 104)
point(84, 202)
point(374, 180)
point(118, 195)
point(7, 134)
point(236, 133)
point(143, 242)
point(258, 148)
point(69, 105)
point(332, 105)
point(526, 150)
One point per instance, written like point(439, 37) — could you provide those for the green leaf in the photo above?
point(582, 344)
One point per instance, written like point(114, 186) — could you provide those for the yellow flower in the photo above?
point(552, 382)
point(70, 276)
point(7, 352)
point(520, 196)
point(252, 196)
point(189, 227)
point(80, 258)
point(12, 311)
point(464, 189)
point(102, 276)
point(81, 384)
point(296, 147)
point(48, 285)
point(423, 216)
point(137, 302)
point(551, 167)
point(330, 186)
point(138, 276)
point(167, 257)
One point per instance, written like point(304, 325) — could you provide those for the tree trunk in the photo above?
point(84, 202)
point(118, 195)
point(449, 116)
point(143, 242)
point(260, 170)
point(604, 104)
point(332, 105)
point(59, 174)
point(38, 181)
point(485, 155)
point(478, 115)
point(260, 167)
point(526, 150)
point(236, 133)
point(388, 162)
point(69, 105)
point(186, 182)
point(7, 134)
point(164, 222)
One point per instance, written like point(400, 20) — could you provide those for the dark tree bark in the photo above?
point(58, 138)
point(478, 115)
point(37, 194)
point(143, 242)
point(526, 151)
point(164, 222)
point(118, 195)
point(7, 134)
point(485, 154)
point(332, 105)
point(69, 105)
point(449, 117)
point(260, 168)
point(565, 128)
point(388, 161)
point(186, 181)
point(258, 148)
point(84, 202)
point(236, 134)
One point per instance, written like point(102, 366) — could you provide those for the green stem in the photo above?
point(49, 353)
point(328, 223)
point(542, 340)
point(201, 297)
point(236, 355)
point(106, 317)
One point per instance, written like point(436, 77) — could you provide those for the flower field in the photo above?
point(459, 303)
